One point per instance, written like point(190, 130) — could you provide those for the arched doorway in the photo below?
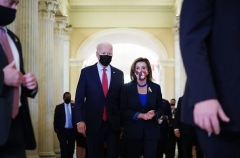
point(128, 44)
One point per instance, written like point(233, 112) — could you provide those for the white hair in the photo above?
point(103, 43)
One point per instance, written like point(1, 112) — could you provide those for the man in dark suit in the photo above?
point(164, 127)
point(209, 40)
point(100, 84)
point(172, 139)
point(16, 131)
point(187, 134)
point(65, 127)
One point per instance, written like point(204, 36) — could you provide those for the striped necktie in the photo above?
point(8, 51)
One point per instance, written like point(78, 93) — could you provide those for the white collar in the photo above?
point(100, 67)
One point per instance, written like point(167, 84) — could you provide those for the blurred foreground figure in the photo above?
point(209, 41)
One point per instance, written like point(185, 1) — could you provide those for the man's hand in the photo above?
point(12, 77)
point(177, 133)
point(81, 127)
point(29, 81)
point(206, 114)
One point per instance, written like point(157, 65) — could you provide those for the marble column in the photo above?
point(26, 28)
point(66, 65)
point(180, 76)
point(46, 13)
point(58, 67)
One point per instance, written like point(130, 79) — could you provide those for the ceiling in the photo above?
point(131, 13)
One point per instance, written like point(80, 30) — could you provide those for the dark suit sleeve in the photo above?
point(1, 81)
point(31, 93)
point(167, 109)
point(79, 98)
point(177, 120)
point(159, 110)
point(195, 25)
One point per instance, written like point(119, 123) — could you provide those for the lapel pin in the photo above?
point(16, 40)
point(149, 89)
point(113, 72)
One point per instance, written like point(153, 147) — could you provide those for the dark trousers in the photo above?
point(67, 139)
point(171, 144)
point(15, 144)
point(224, 145)
point(162, 142)
point(187, 141)
point(96, 141)
point(134, 148)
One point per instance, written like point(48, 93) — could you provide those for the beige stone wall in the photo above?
point(164, 35)
point(169, 83)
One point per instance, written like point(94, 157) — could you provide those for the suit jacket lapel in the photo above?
point(3, 57)
point(63, 111)
point(149, 93)
point(72, 109)
point(18, 46)
point(113, 78)
point(97, 78)
point(136, 94)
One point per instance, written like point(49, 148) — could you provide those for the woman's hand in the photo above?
point(147, 116)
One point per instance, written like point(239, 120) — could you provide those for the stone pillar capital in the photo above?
point(47, 9)
point(68, 31)
point(60, 25)
point(175, 29)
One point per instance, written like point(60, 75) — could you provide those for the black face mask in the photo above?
point(105, 59)
point(7, 15)
point(67, 100)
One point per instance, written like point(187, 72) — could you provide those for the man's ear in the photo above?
point(97, 55)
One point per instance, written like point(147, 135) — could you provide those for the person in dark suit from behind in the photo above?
point(100, 84)
point(81, 149)
point(187, 134)
point(141, 106)
point(65, 127)
point(164, 124)
point(209, 42)
point(172, 139)
point(16, 131)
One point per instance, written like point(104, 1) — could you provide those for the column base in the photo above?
point(57, 153)
point(33, 156)
point(46, 154)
